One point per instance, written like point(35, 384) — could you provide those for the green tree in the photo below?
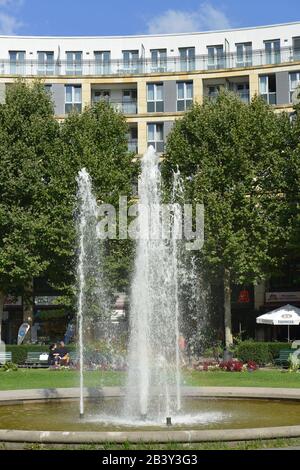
point(28, 131)
point(97, 140)
point(237, 160)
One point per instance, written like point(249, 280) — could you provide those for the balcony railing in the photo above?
point(120, 67)
point(243, 95)
point(125, 107)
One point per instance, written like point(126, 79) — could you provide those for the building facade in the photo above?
point(153, 80)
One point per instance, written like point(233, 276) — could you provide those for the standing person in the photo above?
point(63, 354)
point(182, 348)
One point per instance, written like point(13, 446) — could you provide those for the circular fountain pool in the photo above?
point(208, 414)
point(106, 415)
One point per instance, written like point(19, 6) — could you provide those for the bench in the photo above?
point(5, 357)
point(283, 358)
point(33, 360)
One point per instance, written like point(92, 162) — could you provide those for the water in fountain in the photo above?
point(92, 302)
point(153, 386)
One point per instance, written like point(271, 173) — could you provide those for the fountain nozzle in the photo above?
point(168, 421)
point(81, 415)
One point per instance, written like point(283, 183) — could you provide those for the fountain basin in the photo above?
point(209, 414)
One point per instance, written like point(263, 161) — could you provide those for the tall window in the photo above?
point(216, 58)
point(294, 79)
point(131, 61)
point(241, 89)
point(133, 139)
point(73, 100)
point(158, 60)
point(155, 98)
point(45, 63)
point(101, 95)
point(184, 95)
point(74, 63)
point(244, 54)
point(102, 62)
point(156, 136)
point(213, 91)
point(267, 88)
point(129, 102)
point(48, 88)
point(187, 58)
point(17, 62)
point(296, 48)
point(272, 51)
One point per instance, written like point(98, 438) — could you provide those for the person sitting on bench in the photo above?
point(53, 355)
point(63, 355)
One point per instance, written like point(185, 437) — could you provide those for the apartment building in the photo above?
point(153, 80)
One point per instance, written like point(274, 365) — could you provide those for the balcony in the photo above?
point(119, 67)
point(125, 107)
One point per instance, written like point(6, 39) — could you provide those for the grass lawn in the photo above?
point(44, 378)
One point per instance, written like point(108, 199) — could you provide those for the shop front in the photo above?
point(51, 321)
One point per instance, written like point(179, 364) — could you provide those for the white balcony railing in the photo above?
point(120, 67)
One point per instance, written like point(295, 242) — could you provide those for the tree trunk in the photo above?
point(2, 297)
point(28, 308)
point(227, 309)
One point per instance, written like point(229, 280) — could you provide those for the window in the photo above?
point(267, 88)
point(131, 61)
point(244, 54)
point(184, 95)
point(215, 57)
point(102, 62)
point(241, 89)
point(133, 140)
point(73, 100)
point(101, 95)
point(156, 136)
point(45, 63)
point(17, 62)
point(272, 51)
point(187, 58)
point(296, 48)
point(129, 104)
point(74, 63)
point(48, 88)
point(294, 80)
point(158, 60)
point(213, 91)
point(155, 99)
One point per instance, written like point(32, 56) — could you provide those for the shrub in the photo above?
point(8, 366)
point(259, 352)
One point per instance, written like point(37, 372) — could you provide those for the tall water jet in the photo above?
point(92, 303)
point(153, 385)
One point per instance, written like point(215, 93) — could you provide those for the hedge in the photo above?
point(19, 353)
point(259, 352)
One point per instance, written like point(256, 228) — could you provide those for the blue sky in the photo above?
point(116, 17)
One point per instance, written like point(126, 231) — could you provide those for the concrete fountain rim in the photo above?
point(168, 435)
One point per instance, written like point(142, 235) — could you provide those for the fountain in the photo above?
point(92, 302)
point(154, 369)
point(153, 399)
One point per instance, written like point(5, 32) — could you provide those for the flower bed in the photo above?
point(228, 366)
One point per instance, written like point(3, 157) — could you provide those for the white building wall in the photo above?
point(60, 45)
